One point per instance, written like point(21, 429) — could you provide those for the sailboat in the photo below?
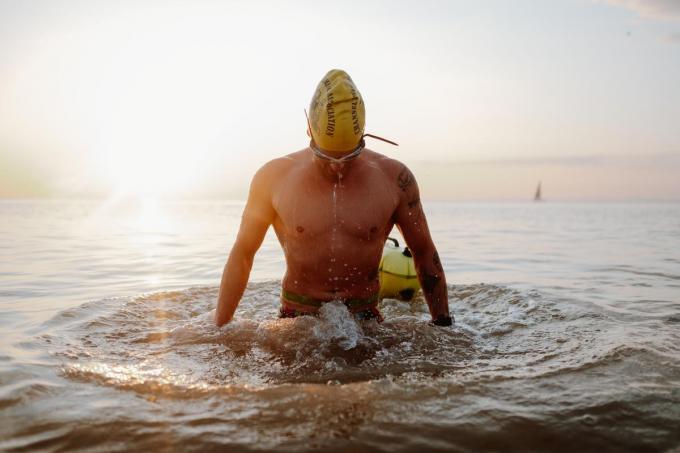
point(537, 196)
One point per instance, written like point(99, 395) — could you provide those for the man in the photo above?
point(332, 206)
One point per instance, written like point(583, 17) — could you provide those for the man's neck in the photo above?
point(334, 171)
point(334, 165)
point(337, 156)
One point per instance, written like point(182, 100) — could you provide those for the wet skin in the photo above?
point(332, 221)
point(332, 224)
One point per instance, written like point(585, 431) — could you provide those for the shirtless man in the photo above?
point(332, 206)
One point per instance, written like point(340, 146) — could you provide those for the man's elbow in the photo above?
point(429, 266)
point(241, 256)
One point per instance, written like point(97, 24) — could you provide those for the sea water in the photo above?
point(567, 336)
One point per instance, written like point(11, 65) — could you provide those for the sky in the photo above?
point(186, 99)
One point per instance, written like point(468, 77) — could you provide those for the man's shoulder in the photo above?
point(279, 166)
point(388, 165)
point(397, 172)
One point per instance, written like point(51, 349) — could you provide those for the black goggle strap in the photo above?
point(380, 138)
point(309, 126)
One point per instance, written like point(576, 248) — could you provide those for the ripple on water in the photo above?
point(272, 381)
point(168, 340)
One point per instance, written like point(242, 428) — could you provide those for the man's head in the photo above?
point(337, 113)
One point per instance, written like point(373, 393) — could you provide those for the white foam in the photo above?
point(337, 325)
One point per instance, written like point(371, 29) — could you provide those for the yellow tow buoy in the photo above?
point(398, 277)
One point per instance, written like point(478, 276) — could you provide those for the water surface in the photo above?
point(567, 334)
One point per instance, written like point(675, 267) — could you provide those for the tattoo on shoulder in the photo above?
point(437, 262)
point(405, 179)
point(414, 203)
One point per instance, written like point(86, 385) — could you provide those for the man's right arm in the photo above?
point(257, 216)
point(410, 219)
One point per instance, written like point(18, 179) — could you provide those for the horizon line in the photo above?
point(529, 200)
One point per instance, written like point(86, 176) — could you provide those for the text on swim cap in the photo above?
point(355, 116)
point(330, 110)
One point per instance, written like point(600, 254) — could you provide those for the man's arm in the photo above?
point(257, 216)
point(410, 219)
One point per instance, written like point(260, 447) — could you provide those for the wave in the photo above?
point(167, 343)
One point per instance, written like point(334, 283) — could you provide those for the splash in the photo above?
point(337, 325)
point(168, 340)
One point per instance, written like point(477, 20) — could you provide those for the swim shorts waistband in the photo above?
point(353, 304)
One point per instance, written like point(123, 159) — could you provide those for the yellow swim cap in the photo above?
point(336, 113)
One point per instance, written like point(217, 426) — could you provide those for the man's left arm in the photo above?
point(411, 221)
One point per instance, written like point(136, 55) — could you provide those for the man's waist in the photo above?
point(313, 304)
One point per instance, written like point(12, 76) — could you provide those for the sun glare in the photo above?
point(148, 173)
point(151, 216)
point(149, 150)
